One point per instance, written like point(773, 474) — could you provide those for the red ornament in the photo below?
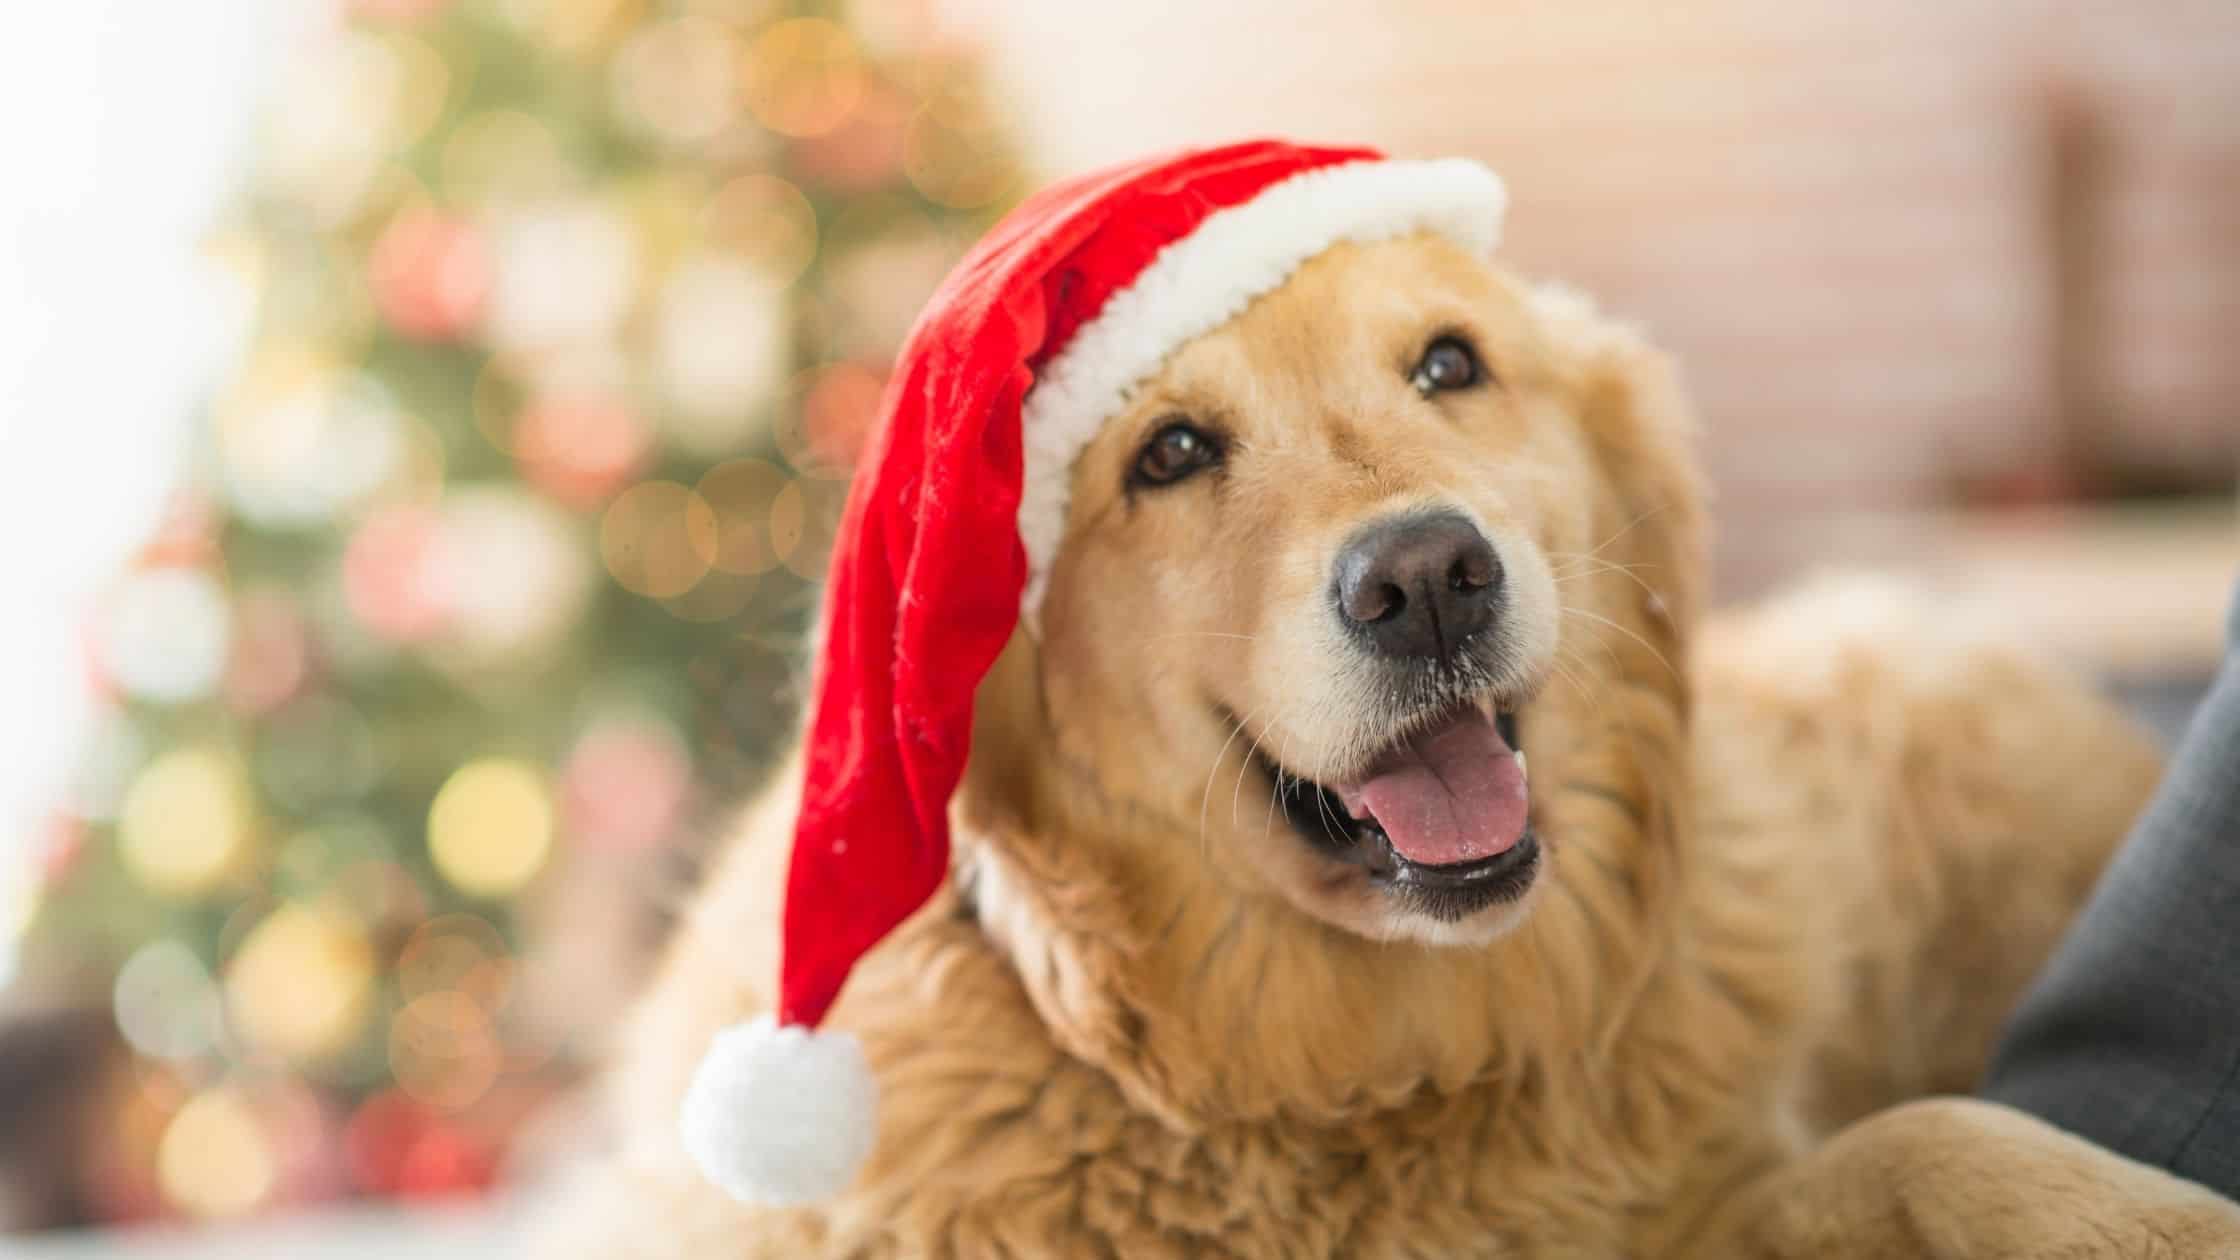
point(444, 1162)
point(379, 1137)
point(430, 275)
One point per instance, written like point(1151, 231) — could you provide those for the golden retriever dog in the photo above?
point(1206, 982)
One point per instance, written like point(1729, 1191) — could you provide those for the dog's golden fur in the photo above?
point(1798, 864)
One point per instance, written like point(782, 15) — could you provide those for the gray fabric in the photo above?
point(2131, 1037)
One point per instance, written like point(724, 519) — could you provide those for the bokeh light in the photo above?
point(163, 634)
point(740, 493)
point(186, 822)
point(625, 784)
point(658, 539)
point(677, 81)
point(429, 274)
point(166, 1003)
point(563, 321)
point(803, 519)
point(456, 953)
point(510, 570)
point(271, 652)
point(214, 1159)
point(504, 157)
point(720, 350)
point(955, 165)
point(340, 101)
point(765, 220)
point(299, 985)
point(490, 829)
point(443, 1049)
point(300, 439)
point(384, 575)
point(580, 450)
point(566, 272)
point(803, 75)
point(824, 435)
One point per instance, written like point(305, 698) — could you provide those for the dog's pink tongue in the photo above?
point(1452, 794)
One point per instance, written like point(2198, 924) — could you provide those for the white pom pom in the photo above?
point(780, 1115)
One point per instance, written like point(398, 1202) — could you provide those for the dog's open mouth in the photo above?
point(1442, 817)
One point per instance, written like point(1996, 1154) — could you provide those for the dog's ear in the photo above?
point(1628, 397)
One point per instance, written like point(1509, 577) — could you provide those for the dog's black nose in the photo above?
point(1418, 585)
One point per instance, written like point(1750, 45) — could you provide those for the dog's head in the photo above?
point(1369, 615)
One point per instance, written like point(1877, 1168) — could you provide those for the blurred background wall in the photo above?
point(1910, 254)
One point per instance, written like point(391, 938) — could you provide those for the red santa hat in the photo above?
point(956, 513)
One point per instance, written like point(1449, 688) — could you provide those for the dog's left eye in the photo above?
point(1448, 363)
point(1174, 453)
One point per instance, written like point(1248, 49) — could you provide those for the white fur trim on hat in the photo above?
point(1204, 279)
point(780, 1115)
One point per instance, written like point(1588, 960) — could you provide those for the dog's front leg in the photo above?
point(1970, 1180)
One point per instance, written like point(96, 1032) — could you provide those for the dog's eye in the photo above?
point(1447, 363)
point(1175, 452)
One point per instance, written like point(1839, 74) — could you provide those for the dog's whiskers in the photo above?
point(1605, 566)
point(1623, 530)
point(1647, 646)
point(1206, 796)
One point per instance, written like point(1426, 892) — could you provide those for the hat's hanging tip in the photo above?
point(780, 1114)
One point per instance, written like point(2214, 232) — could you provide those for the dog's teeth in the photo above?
point(1519, 755)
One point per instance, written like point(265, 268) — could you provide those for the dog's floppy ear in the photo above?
point(1643, 433)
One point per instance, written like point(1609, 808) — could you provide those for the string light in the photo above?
point(456, 953)
point(163, 634)
point(720, 350)
point(443, 1049)
point(828, 430)
point(503, 157)
point(566, 273)
point(740, 493)
point(803, 76)
point(521, 290)
point(299, 985)
point(490, 828)
point(678, 80)
point(658, 539)
point(214, 1159)
point(185, 822)
point(803, 519)
point(766, 220)
point(166, 1004)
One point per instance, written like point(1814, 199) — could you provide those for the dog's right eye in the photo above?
point(1173, 453)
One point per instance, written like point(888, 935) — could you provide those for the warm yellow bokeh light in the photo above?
point(300, 984)
point(803, 76)
point(658, 538)
point(490, 829)
point(214, 1159)
point(444, 1050)
point(185, 823)
point(767, 220)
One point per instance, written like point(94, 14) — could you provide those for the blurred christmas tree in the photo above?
point(569, 316)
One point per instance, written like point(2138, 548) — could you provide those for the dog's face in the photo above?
point(1316, 582)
